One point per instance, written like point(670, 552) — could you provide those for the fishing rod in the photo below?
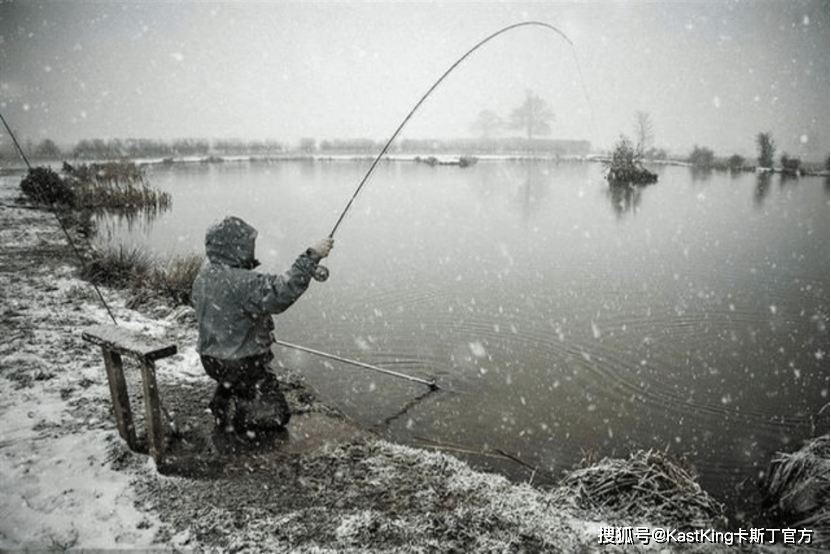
point(17, 145)
point(63, 227)
point(432, 383)
point(322, 273)
point(431, 89)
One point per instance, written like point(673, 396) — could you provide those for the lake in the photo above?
point(558, 317)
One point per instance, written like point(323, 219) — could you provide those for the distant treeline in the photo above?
point(478, 146)
point(500, 145)
point(98, 149)
point(148, 148)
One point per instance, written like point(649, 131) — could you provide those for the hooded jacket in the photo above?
point(233, 304)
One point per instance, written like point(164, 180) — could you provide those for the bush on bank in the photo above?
point(119, 184)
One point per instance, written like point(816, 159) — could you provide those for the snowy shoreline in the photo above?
point(68, 481)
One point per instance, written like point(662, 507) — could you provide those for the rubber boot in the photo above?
point(220, 406)
point(270, 410)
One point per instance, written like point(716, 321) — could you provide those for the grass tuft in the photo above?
point(648, 485)
point(796, 488)
point(174, 277)
point(118, 267)
point(136, 269)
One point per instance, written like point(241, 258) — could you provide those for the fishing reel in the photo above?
point(320, 273)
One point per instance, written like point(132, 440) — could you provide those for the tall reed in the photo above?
point(119, 184)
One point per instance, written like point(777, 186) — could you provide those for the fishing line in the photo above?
point(436, 84)
point(63, 228)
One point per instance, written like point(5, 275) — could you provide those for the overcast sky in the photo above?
point(712, 73)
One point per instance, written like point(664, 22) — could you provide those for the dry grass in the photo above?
point(364, 496)
point(147, 277)
point(113, 185)
point(648, 485)
point(174, 277)
point(118, 267)
point(796, 488)
point(98, 185)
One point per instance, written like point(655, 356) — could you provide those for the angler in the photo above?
point(234, 306)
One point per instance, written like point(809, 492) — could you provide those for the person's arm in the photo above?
point(279, 292)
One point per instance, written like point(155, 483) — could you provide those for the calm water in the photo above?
point(557, 318)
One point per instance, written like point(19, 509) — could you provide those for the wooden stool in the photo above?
point(115, 342)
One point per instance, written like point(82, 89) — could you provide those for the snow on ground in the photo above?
point(57, 486)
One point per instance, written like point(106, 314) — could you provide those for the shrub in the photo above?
point(625, 166)
point(735, 162)
point(702, 157)
point(43, 185)
point(790, 166)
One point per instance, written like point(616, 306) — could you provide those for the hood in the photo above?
point(230, 242)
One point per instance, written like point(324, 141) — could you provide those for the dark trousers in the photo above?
point(247, 393)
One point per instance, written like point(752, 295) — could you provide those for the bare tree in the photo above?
point(488, 123)
point(767, 148)
point(47, 149)
point(644, 132)
point(533, 116)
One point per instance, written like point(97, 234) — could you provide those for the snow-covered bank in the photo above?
point(57, 486)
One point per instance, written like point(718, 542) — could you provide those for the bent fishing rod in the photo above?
point(429, 92)
point(322, 273)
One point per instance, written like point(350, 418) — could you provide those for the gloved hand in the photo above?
point(323, 246)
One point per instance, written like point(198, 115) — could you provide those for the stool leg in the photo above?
point(121, 400)
point(153, 412)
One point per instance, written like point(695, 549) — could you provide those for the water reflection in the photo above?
point(736, 173)
point(114, 225)
point(787, 178)
point(624, 199)
point(534, 189)
point(700, 174)
point(526, 186)
point(762, 188)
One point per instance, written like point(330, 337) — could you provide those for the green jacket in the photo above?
point(234, 305)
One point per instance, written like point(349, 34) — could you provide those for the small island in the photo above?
point(625, 167)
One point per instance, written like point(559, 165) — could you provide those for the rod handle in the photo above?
point(320, 273)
